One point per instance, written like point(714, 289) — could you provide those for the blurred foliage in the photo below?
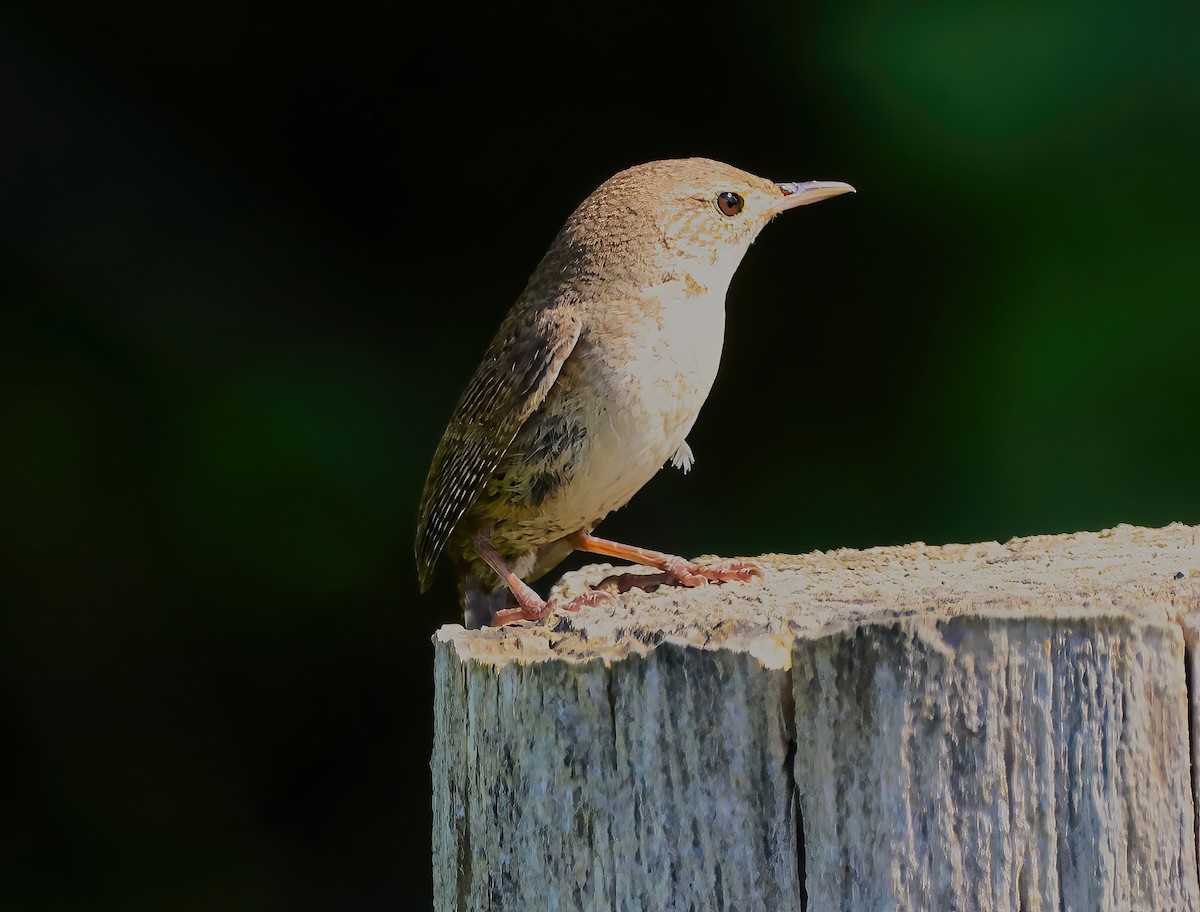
point(250, 258)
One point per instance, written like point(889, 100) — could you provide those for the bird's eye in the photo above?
point(730, 203)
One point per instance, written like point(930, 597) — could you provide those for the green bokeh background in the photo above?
point(250, 257)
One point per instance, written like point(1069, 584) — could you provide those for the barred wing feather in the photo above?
point(518, 370)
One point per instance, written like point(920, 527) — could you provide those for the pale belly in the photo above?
point(621, 410)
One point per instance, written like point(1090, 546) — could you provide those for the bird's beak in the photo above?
point(805, 192)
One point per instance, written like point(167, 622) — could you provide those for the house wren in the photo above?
point(593, 382)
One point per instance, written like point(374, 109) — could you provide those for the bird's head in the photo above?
point(693, 212)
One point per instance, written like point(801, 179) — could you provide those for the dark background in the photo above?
point(251, 256)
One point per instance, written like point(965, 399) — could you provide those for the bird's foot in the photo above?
point(523, 612)
point(741, 571)
point(530, 610)
point(676, 570)
point(689, 573)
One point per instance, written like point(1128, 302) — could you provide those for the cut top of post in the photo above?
point(1148, 573)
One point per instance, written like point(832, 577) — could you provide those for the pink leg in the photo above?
point(530, 606)
point(682, 571)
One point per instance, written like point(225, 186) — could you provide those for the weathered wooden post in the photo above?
point(970, 727)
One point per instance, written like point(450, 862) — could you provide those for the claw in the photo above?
point(686, 573)
point(733, 572)
point(533, 612)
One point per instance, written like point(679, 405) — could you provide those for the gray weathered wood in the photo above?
point(977, 727)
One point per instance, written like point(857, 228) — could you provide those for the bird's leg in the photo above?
point(530, 605)
point(683, 572)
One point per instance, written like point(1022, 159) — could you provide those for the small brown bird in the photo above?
point(593, 382)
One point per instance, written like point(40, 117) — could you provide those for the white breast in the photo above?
point(654, 383)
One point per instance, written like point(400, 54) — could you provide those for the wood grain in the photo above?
point(961, 727)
